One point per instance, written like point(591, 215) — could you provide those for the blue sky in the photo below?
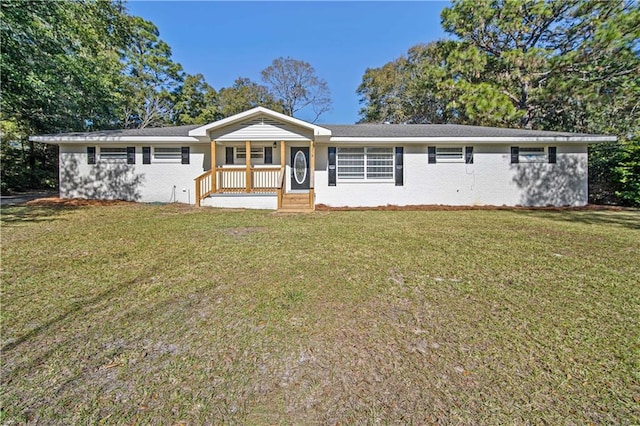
point(227, 40)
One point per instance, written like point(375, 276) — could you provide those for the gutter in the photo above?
point(336, 139)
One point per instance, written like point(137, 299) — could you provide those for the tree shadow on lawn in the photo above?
point(47, 209)
point(76, 308)
point(626, 218)
point(22, 213)
point(16, 365)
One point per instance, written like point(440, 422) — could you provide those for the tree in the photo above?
point(297, 86)
point(382, 91)
point(439, 82)
point(556, 65)
point(537, 50)
point(426, 98)
point(150, 78)
point(196, 102)
point(60, 70)
point(60, 63)
point(82, 65)
point(628, 172)
point(244, 95)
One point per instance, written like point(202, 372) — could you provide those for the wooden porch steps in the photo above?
point(296, 202)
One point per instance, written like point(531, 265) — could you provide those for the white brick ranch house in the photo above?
point(264, 159)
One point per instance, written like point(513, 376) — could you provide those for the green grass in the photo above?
point(171, 314)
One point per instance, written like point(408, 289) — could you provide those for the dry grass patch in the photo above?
point(152, 314)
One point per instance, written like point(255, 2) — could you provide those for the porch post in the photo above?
point(312, 173)
point(312, 163)
point(281, 183)
point(247, 145)
point(214, 173)
point(283, 159)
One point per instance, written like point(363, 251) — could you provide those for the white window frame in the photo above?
point(167, 156)
point(536, 154)
point(366, 164)
point(257, 155)
point(446, 154)
point(117, 153)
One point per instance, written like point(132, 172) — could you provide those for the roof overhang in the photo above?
point(62, 139)
point(256, 112)
point(475, 140)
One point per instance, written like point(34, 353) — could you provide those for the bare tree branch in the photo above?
point(296, 85)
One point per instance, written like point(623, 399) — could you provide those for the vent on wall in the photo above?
point(261, 121)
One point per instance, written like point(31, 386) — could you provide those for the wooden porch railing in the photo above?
point(238, 180)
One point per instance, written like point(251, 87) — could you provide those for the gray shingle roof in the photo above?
point(434, 130)
point(147, 131)
point(354, 130)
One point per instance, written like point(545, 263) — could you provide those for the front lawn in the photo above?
point(170, 314)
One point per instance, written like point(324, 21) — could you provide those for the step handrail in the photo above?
point(203, 182)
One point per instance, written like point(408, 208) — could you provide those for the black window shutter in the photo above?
point(515, 152)
point(468, 154)
point(268, 155)
point(432, 154)
point(185, 155)
point(131, 155)
point(399, 166)
point(552, 154)
point(91, 155)
point(146, 155)
point(332, 166)
point(228, 155)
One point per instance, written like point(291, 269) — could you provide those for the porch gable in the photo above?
point(261, 129)
point(260, 124)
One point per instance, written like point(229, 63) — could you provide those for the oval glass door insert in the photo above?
point(300, 167)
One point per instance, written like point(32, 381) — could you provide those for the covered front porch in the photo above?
point(260, 155)
point(272, 174)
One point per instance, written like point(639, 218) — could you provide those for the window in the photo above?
point(537, 154)
point(365, 163)
point(256, 153)
point(449, 155)
point(532, 155)
point(119, 153)
point(350, 163)
point(379, 163)
point(127, 153)
point(167, 154)
point(259, 155)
